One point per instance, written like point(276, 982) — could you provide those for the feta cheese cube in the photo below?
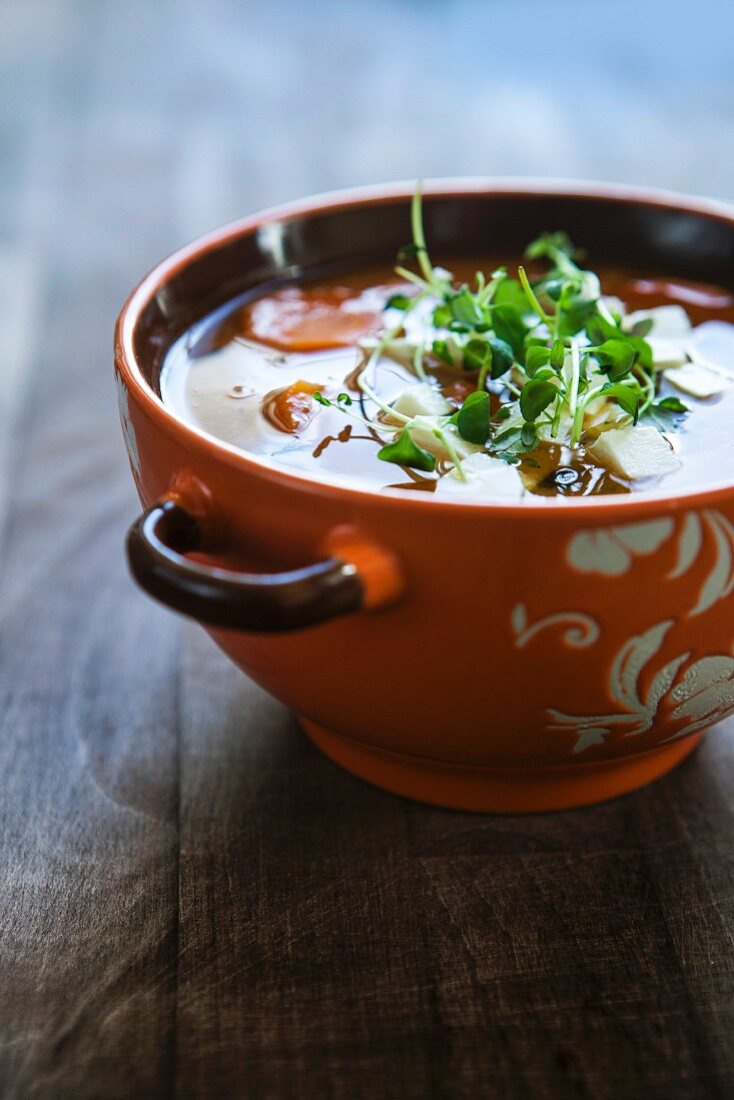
point(634, 452)
point(670, 330)
point(401, 351)
point(668, 322)
point(667, 354)
point(485, 477)
point(422, 400)
point(697, 380)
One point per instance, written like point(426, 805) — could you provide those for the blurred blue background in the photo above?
point(237, 105)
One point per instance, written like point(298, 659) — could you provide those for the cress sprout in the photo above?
point(549, 358)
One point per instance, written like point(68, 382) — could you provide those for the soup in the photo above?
point(559, 382)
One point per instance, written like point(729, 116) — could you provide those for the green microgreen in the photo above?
point(627, 397)
point(442, 351)
point(502, 357)
point(547, 346)
point(342, 402)
point(403, 451)
point(472, 419)
point(616, 357)
point(557, 355)
point(511, 326)
point(536, 395)
point(536, 357)
point(478, 355)
point(341, 399)
point(667, 413)
point(399, 301)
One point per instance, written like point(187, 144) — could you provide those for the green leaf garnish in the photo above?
point(529, 436)
point(488, 355)
point(510, 326)
point(616, 357)
point(599, 329)
point(440, 348)
point(465, 309)
point(512, 442)
point(558, 355)
point(536, 357)
point(399, 301)
point(404, 452)
point(626, 397)
point(442, 316)
point(671, 404)
point(644, 351)
point(642, 328)
point(502, 356)
point(477, 355)
point(551, 245)
point(472, 420)
point(667, 413)
point(510, 293)
point(535, 397)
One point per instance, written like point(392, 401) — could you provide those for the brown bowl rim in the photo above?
point(644, 501)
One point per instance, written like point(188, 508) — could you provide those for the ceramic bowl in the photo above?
point(499, 657)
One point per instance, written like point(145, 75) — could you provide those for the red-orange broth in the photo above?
point(237, 375)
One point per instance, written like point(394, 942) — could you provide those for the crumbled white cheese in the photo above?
point(485, 477)
point(697, 380)
point(668, 322)
point(422, 430)
point(400, 350)
point(422, 400)
point(667, 354)
point(667, 338)
point(634, 453)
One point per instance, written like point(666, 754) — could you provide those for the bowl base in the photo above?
point(498, 790)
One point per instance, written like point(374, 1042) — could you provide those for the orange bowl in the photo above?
point(500, 657)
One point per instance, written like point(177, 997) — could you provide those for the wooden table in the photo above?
point(195, 903)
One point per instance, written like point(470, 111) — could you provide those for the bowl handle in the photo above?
point(261, 602)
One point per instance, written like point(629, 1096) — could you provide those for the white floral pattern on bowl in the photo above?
point(697, 696)
point(720, 580)
point(705, 693)
point(611, 550)
point(580, 629)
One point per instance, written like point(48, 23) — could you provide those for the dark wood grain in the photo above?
point(195, 903)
